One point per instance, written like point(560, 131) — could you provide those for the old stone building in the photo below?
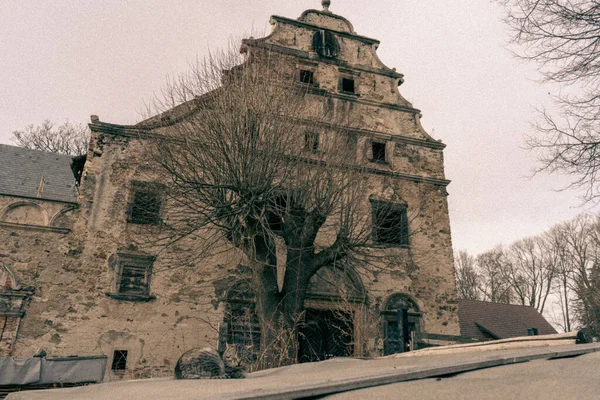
point(78, 281)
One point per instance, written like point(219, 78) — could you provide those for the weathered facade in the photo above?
point(88, 287)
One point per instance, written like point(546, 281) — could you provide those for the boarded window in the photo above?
point(119, 362)
point(390, 223)
point(378, 150)
point(145, 205)
point(325, 44)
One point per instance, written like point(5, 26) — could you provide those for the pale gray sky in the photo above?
point(68, 59)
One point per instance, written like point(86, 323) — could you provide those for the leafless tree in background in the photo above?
point(495, 285)
point(467, 278)
point(68, 138)
point(562, 263)
point(563, 38)
point(243, 165)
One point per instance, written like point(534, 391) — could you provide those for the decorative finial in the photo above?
point(326, 4)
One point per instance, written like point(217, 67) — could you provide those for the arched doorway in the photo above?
point(333, 306)
point(393, 340)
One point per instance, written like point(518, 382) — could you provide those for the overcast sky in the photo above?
point(64, 59)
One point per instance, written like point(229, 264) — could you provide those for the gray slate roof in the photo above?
point(503, 320)
point(22, 171)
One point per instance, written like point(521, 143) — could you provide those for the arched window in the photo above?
point(325, 44)
point(243, 326)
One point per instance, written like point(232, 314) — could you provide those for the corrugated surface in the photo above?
point(504, 320)
point(22, 171)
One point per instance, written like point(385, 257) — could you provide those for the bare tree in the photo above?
point(495, 285)
point(563, 38)
point(530, 270)
point(467, 279)
point(243, 165)
point(68, 138)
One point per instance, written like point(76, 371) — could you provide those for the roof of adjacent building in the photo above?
point(484, 320)
point(36, 174)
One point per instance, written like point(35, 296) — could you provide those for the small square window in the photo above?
point(348, 85)
point(307, 77)
point(134, 280)
point(532, 332)
point(311, 142)
point(119, 362)
point(145, 206)
point(133, 273)
point(378, 150)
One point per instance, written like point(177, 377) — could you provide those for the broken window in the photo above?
point(119, 362)
point(311, 142)
point(133, 276)
point(325, 44)
point(347, 85)
point(390, 223)
point(145, 205)
point(378, 151)
point(307, 77)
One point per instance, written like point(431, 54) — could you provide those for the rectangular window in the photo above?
point(532, 332)
point(378, 150)
point(307, 77)
point(145, 206)
point(311, 142)
point(390, 223)
point(119, 362)
point(347, 85)
point(134, 280)
point(133, 273)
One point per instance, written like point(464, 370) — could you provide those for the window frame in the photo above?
point(312, 142)
point(137, 261)
point(403, 234)
point(116, 364)
point(383, 160)
point(145, 188)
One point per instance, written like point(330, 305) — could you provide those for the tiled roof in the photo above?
point(23, 170)
point(500, 320)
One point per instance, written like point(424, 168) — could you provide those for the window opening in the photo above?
point(378, 151)
point(390, 224)
point(325, 44)
point(348, 85)
point(145, 207)
point(532, 332)
point(307, 77)
point(311, 142)
point(134, 280)
point(119, 362)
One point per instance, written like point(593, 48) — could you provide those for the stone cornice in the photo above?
point(37, 228)
point(301, 54)
point(38, 198)
point(386, 136)
point(354, 36)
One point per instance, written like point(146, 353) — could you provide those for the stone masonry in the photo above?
point(82, 284)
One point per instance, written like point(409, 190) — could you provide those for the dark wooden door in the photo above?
point(326, 334)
